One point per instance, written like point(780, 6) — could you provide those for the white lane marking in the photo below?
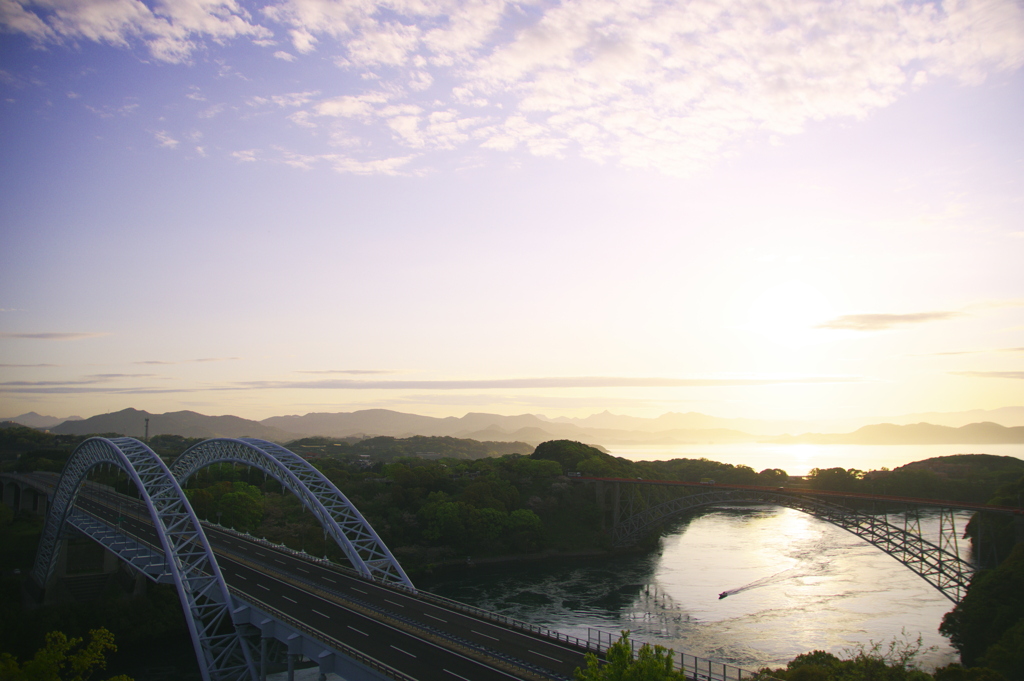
point(289, 599)
point(357, 631)
point(320, 613)
point(328, 579)
point(403, 651)
point(484, 635)
point(547, 656)
point(241, 576)
point(263, 587)
point(355, 589)
point(427, 614)
point(388, 600)
point(302, 570)
point(458, 676)
point(280, 561)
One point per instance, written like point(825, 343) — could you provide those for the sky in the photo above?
point(760, 208)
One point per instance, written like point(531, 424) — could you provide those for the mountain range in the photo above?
point(604, 429)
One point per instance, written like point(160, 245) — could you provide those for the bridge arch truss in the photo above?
point(338, 516)
point(221, 652)
point(939, 564)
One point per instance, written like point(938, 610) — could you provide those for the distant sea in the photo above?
point(799, 459)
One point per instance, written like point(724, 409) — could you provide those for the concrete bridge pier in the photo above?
point(23, 497)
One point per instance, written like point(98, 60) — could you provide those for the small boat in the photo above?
point(723, 595)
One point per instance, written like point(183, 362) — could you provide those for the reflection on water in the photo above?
point(798, 583)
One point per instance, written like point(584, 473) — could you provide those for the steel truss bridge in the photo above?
point(250, 604)
point(639, 508)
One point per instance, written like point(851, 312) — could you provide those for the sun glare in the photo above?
point(788, 313)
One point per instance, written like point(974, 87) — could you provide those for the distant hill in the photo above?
point(959, 464)
point(607, 429)
point(916, 434)
point(132, 422)
point(34, 420)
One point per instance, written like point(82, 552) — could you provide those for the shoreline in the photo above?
point(458, 565)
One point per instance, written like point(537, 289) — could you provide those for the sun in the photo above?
point(788, 314)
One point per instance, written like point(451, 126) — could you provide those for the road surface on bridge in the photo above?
point(412, 633)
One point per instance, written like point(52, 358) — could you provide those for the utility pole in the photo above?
point(146, 437)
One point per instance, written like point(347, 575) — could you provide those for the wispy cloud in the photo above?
point(535, 383)
point(28, 366)
point(880, 322)
point(187, 361)
point(968, 352)
point(52, 336)
point(1019, 375)
point(347, 371)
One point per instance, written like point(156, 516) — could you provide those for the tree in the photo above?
point(835, 479)
point(63, 659)
point(992, 608)
point(649, 664)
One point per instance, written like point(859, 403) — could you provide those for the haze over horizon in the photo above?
point(783, 209)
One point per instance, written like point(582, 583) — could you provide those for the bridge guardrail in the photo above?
point(597, 641)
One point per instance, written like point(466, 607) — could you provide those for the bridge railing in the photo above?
point(597, 641)
point(697, 668)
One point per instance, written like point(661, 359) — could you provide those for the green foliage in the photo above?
point(990, 617)
point(955, 672)
point(171, 446)
point(835, 479)
point(6, 515)
point(1007, 654)
point(649, 664)
point(874, 662)
point(772, 476)
point(575, 456)
point(62, 659)
point(232, 504)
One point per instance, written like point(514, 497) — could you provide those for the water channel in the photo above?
point(801, 584)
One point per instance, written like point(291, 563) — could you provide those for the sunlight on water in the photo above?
point(799, 459)
point(798, 584)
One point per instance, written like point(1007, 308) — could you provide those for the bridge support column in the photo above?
point(264, 641)
point(617, 500)
point(291, 666)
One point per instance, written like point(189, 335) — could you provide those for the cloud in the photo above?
point(171, 31)
point(535, 383)
point(27, 366)
point(1019, 375)
point(644, 84)
point(880, 322)
point(52, 336)
point(187, 361)
point(968, 352)
point(347, 371)
point(164, 139)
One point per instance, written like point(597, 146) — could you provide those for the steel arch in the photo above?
point(939, 566)
point(339, 517)
point(220, 650)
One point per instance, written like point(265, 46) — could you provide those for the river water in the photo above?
point(800, 584)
